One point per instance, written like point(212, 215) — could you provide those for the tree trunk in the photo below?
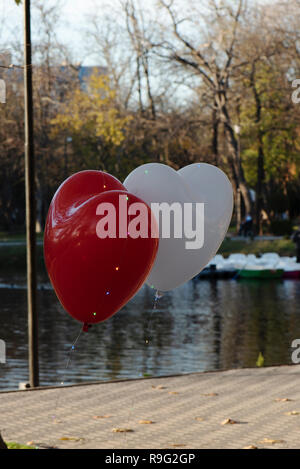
point(260, 185)
point(238, 169)
point(2, 444)
point(234, 151)
point(261, 157)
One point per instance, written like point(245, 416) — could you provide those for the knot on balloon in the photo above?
point(86, 327)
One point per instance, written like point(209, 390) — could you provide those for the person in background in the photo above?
point(296, 239)
point(248, 225)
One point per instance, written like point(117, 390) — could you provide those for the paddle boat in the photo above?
point(291, 274)
point(268, 266)
point(260, 272)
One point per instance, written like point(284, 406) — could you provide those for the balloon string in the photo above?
point(72, 349)
point(157, 297)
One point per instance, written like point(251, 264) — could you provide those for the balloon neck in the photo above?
point(86, 327)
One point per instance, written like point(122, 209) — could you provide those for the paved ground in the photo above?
point(186, 411)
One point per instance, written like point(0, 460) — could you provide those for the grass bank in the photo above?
point(13, 445)
point(283, 247)
point(14, 257)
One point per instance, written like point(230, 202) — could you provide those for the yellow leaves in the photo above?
point(269, 441)
point(122, 430)
point(293, 412)
point(285, 399)
point(96, 417)
point(199, 419)
point(211, 394)
point(250, 447)
point(146, 422)
point(159, 387)
point(229, 422)
point(71, 438)
point(173, 392)
point(260, 360)
point(92, 113)
point(99, 87)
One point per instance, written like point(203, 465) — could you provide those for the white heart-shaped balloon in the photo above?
point(178, 258)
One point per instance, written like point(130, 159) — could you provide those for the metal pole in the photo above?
point(237, 129)
point(30, 205)
point(239, 201)
point(238, 210)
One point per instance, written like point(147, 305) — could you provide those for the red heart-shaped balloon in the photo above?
point(94, 277)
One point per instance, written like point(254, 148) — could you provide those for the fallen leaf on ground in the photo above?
point(56, 421)
point(122, 430)
point(96, 417)
point(173, 392)
point(285, 399)
point(71, 438)
point(199, 419)
point(250, 447)
point(293, 412)
point(159, 387)
point(229, 422)
point(146, 422)
point(268, 441)
point(211, 394)
point(30, 443)
point(177, 445)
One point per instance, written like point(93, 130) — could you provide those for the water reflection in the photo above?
point(204, 325)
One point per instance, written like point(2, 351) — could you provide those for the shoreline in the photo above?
point(13, 253)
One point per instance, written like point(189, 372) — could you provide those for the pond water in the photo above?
point(203, 325)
